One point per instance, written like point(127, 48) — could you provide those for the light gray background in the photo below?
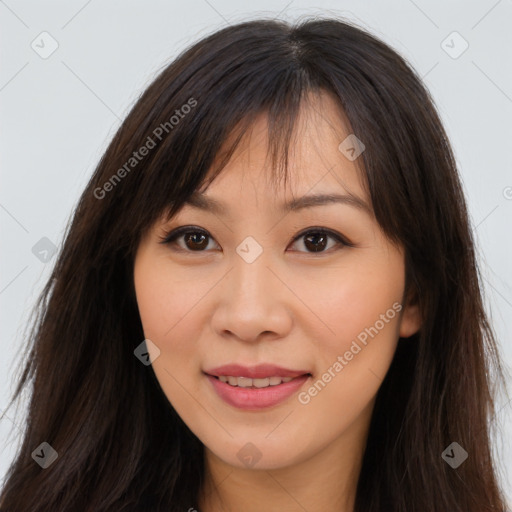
point(59, 113)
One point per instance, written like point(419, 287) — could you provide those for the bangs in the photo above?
point(229, 128)
point(282, 119)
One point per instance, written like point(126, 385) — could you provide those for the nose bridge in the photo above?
point(251, 277)
point(250, 302)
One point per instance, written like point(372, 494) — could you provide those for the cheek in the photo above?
point(358, 313)
point(166, 308)
point(162, 299)
point(154, 301)
point(363, 314)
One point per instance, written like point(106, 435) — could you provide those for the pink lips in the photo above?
point(256, 398)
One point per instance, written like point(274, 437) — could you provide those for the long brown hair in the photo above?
point(118, 439)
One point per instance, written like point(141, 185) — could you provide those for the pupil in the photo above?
point(193, 235)
point(315, 248)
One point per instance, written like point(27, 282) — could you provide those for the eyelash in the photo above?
point(171, 237)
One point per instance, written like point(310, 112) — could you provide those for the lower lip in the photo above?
point(256, 398)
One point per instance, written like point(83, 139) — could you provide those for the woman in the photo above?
point(212, 339)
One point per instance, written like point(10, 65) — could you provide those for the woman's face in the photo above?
point(253, 283)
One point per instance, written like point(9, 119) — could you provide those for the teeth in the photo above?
point(245, 382)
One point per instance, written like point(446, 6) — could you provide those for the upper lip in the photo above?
point(259, 371)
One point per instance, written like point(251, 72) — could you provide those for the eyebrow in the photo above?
point(209, 204)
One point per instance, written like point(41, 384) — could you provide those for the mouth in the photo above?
point(260, 371)
point(256, 393)
point(248, 383)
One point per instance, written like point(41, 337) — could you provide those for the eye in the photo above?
point(196, 239)
point(317, 239)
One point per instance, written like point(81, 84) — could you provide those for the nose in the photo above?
point(252, 302)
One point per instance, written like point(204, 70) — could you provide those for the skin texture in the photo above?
point(291, 306)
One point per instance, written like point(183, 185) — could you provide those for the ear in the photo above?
point(410, 322)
